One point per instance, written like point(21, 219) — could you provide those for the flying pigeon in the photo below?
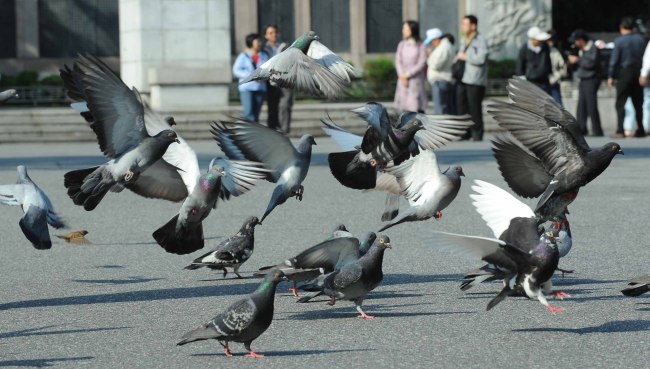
point(427, 189)
point(355, 280)
point(308, 66)
point(132, 137)
point(183, 233)
point(7, 95)
point(37, 207)
point(243, 321)
point(287, 165)
point(231, 253)
point(546, 155)
point(638, 286)
point(529, 260)
point(76, 237)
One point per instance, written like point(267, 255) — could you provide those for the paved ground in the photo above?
point(123, 302)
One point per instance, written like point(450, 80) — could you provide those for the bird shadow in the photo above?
point(131, 296)
point(403, 278)
point(570, 281)
point(135, 243)
point(293, 352)
point(109, 266)
point(616, 326)
point(643, 308)
point(128, 280)
point(349, 312)
point(42, 363)
point(235, 278)
point(41, 331)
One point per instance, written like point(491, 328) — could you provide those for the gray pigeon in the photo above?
point(427, 189)
point(231, 253)
point(243, 321)
point(183, 233)
point(638, 286)
point(117, 116)
point(288, 165)
point(529, 260)
point(555, 160)
point(355, 280)
point(7, 95)
point(308, 66)
point(37, 207)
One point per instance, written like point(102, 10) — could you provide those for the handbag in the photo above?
point(458, 67)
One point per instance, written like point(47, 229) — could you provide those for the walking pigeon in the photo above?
point(287, 165)
point(355, 280)
point(183, 233)
point(308, 66)
point(638, 286)
point(243, 321)
point(76, 237)
point(555, 160)
point(133, 138)
point(37, 208)
point(231, 253)
point(7, 95)
point(528, 260)
point(427, 189)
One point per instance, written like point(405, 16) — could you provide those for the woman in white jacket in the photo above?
point(439, 72)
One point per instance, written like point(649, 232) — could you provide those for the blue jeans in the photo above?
point(252, 102)
point(555, 93)
point(444, 97)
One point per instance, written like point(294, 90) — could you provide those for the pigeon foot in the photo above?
point(554, 309)
point(239, 276)
point(332, 301)
point(365, 316)
point(438, 215)
point(128, 176)
point(254, 354)
point(298, 193)
point(225, 272)
point(560, 295)
point(294, 292)
point(227, 352)
point(565, 271)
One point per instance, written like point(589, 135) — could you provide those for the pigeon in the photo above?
point(384, 142)
point(355, 280)
point(308, 66)
point(529, 260)
point(37, 208)
point(183, 233)
point(427, 189)
point(287, 165)
point(243, 321)
point(76, 237)
point(546, 154)
point(231, 253)
point(639, 286)
point(132, 137)
point(7, 95)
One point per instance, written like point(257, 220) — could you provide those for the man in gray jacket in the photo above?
point(587, 60)
point(471, 88)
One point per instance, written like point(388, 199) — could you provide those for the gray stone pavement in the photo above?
point(123, 302)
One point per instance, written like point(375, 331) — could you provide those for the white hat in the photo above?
point(538, 34)
point(432, 34)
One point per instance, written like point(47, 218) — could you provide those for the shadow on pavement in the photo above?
point(349, 312)
point(40, 331)
point(397, 279)
point(146, 295)
point(292, 352)
point(41, 363)
point(128, 280)
point(616, 326)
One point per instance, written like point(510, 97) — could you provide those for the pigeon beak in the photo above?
point(177, 140)
point(462, 173)
point(620, 151)
point(387, 244)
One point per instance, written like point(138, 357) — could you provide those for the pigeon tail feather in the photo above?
point(184, 242)
point(351, 173)
point(88, 186)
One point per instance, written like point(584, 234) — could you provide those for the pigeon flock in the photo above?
point(540, 154)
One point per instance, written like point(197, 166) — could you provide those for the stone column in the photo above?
point(245, 21)
point(177, 52)
point(410, 10)
point(302, 10)
point(27, 29)
point(357, 31)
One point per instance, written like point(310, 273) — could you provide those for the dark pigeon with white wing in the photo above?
point(37, 208)
point(232, 252)
point(307, 66)
point(243, 321)
point(287, 165)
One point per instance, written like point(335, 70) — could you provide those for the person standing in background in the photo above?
point(470, 90)
point(439, 72)
point(644, 80)
point(251, 94)
point(534, 59)
point(587, 60)
point(410, 62)
point(559, 67)
point(279, 100)
point(624, 72)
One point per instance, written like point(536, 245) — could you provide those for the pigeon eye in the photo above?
point(194, 211)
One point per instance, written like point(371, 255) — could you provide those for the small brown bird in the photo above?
point(76, 237)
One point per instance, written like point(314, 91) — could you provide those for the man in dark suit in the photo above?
point(587, 61)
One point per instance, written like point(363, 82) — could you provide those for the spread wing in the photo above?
point(239, 176)
point(327, 254)
point(347, 141)
point(415, 173)
point(12, 194)
point(473, 246)
point(438, 130)
point(160, 181)
point(331, 61)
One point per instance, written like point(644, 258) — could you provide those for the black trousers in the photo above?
point(588, 106)
point(469, 100)
point(627, 85)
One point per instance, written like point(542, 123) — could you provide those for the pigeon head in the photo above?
point(458, 170)
point(84, 232)
point(168, 135)
point(340, 227)
point(613, 148)
point(170, 120)
point(22, 174)
point(384, 242)
point(405, 133)
point(551, 236)
point(303, 42)
point(305, 143)
point(251, 222)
